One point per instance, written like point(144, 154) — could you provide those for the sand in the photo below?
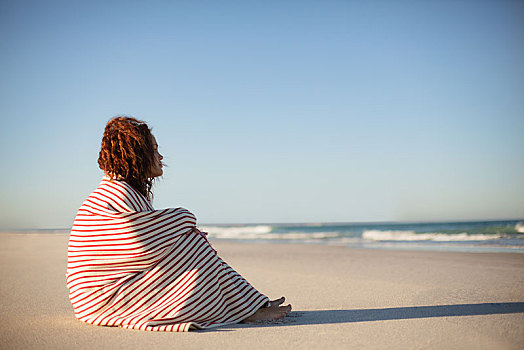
point(342, 298)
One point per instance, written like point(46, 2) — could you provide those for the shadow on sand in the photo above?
point(297, 318)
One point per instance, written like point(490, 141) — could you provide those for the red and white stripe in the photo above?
point(135, 267)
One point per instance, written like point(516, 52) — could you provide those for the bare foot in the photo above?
point(271, 313)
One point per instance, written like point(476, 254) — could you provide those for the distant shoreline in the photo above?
point(309, 223)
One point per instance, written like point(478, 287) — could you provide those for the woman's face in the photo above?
point(156, 167)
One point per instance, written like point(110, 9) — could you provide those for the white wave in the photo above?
point(261, 232)
point(377, 235)
point(243, 232)
point(519, 227)
point(299, 235)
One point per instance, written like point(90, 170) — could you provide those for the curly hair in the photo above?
point(127, 153)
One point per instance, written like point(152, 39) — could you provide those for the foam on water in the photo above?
point(262, 232)
point(237, 232)
point(476, 236)
point(377, 235)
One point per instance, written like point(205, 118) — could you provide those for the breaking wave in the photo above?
point(237, 232)
point(507, 236)
point(377, 235)
point(262, 232)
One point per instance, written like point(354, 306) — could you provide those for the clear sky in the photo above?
point(269, 111)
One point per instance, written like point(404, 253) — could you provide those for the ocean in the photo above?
point(472, 236)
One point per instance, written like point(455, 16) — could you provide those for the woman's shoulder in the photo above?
point(123, 195)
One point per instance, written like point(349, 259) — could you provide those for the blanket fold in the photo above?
point(132, 266)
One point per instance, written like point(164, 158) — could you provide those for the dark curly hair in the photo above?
point(127, 153)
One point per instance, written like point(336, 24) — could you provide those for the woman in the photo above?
point(132, 266)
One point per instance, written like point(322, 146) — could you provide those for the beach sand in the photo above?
point(342, 298)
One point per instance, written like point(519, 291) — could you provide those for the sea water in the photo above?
point(473, 236)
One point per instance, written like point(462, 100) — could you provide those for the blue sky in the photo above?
point(274, 111)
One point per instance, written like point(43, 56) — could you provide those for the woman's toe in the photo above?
point(278, 302)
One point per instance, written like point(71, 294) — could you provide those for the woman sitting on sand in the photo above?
point(132, 266)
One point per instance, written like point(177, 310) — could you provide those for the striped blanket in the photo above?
point(135, 267)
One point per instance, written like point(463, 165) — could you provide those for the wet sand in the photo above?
point(342, 298)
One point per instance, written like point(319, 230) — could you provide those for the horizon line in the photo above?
point(312, 223)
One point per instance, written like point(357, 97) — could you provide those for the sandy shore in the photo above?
point(342, 299)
